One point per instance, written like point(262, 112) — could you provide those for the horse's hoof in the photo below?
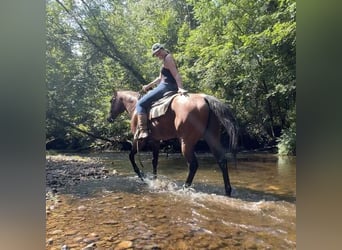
point(143, 180)
point(229, 193)
point(142, 175)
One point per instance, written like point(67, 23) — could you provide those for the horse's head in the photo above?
point(116, 107)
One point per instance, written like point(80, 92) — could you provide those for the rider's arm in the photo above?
point(152, 84)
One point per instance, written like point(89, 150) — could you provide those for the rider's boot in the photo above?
point(142, 131)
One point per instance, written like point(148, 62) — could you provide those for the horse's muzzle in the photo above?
point(110, 119)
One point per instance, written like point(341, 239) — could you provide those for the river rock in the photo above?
point(90, 239)
point(130, 238)
point(50, 241)
point(152, 247)
point(110, 222)
point(129, 207)
point(117, 198)
point(73, 246)
point(214, 245)
point(181, 245)
point(91, 246)
point(124, 245)
point(58, 231)
point(65, 247)
point(82, 207)
point(253, 243)
point(93, 235)
point(71, 232)
point(108, 238)
point(78, 239)
point(146, 236)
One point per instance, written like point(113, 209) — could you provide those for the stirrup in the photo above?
point(140, 134)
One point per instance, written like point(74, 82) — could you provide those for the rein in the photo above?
point(141, 93)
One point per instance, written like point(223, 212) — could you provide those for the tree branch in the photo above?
point(116, 55)
point(68, 124)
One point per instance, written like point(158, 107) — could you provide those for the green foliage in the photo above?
point(286, 143)
point(243, 52)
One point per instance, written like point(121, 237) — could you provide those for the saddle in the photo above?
point(160, 107)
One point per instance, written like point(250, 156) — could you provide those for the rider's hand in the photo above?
point(145, 88)
point(182, 91)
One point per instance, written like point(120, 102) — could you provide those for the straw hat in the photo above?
point(156, 47)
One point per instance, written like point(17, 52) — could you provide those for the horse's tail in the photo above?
point(226, 117)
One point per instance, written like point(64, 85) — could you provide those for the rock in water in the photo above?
point(124, 245)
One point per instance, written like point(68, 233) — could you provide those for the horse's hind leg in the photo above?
point(212, 137)
point(224, 168)
point(188, 153)
point(222, 162)
point(133, 152)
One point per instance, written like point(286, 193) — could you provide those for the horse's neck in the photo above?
point(130, 100)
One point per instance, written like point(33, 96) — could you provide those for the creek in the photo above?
point(159, 214)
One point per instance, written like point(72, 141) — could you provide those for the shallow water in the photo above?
point(160, 214)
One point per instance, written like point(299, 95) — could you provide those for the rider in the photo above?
point(169, 79)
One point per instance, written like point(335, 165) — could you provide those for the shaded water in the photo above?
point(160, 214)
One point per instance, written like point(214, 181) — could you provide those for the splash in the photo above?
point(161, 184)
point(275, 210)
point(164, 185)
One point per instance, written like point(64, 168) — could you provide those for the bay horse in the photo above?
point(189, 118)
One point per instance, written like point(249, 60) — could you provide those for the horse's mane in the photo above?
point(129, 93)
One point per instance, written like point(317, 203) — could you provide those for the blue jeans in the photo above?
point(145, 102)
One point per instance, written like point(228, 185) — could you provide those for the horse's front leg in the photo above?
point(155, 152)
point(133, 152)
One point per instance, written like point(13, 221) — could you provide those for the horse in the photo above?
point(189, 118)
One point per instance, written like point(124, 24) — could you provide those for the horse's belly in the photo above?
point(163, 128)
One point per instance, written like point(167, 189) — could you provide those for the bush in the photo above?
point(286, 143)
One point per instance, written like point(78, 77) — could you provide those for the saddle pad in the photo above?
point(160, 107)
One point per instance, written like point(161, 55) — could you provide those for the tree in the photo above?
point(243, 52)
